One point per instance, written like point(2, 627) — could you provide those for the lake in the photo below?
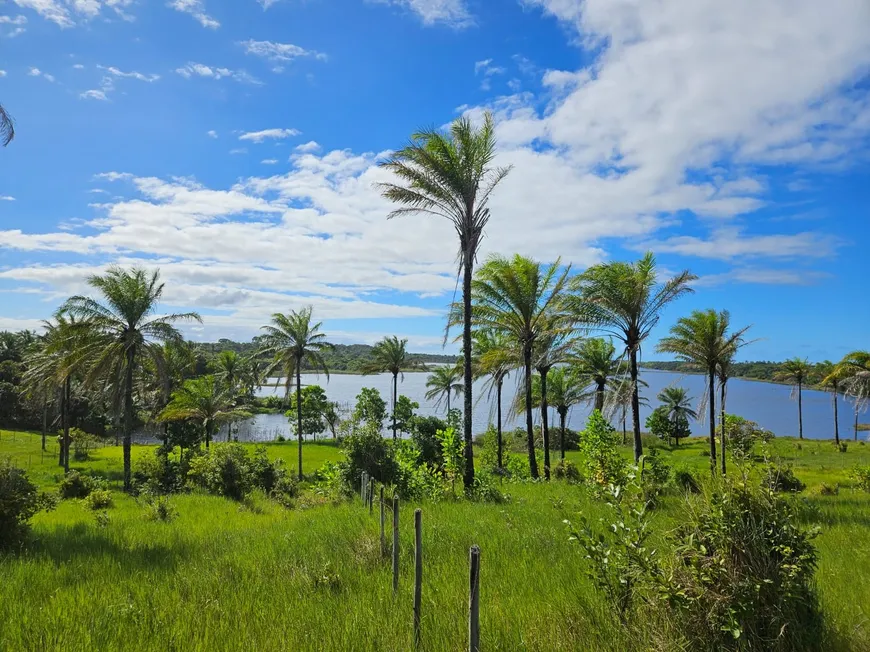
point(768, 404)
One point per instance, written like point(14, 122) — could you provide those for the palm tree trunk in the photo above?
point(711, 380)
point(800, 412)
point(624, 430)
point(128, 416)
point(44, 421)
point(498, 419)
point(530, 435)
point(599, 397)
point(856, 418)
point(395, 388)
point(448, 401)
point(299, 411)
point(208, 427)
point(563, 413)
point(544, 425)
point(64, 424)
point(722, 412)
point(836, 417)
point(635, 407)
point(468, 259)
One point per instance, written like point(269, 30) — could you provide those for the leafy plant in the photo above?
point(370, 408)
point(567, 470)
point(75, 485)
point(19, 501)
point(160, 508)
point(452, 449)
point(99, 499)
point(781, 478)
point(602, 464)
point(224, 471)
point(861, 476)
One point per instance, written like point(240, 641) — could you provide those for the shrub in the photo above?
point(655, 470)
point(485, 489)
point(414, 479)
point(684, 480)
point(99, 499)
point(82, 443)
point(223, 471)
point(284, 491)
point(741, 435)
point(843, 447)
point(19, 501)
point(665, 429)
point(572, 439)
point(266, 473)
point(827, 490)
point(367, 451)
point(159, 508)
point(861, 475)
point(75, 485)
point(424, 431)
point(452, 448)
point(161, 473)
point(567, 470)
point(602, 464)
point(781, 478)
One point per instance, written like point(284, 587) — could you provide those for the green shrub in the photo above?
point(99, 499)
point(19, 501)
point(413, 479)
point(424, 431)
point(861, 475)
point(517, 466)
point(75, 485)
point(843, 447)
point(572, 439)
point(266, 473)
point(223, 471)
point(684, 480)
point(782, 478)
point(82, 443)
point(452, 449)
point(161, 473)
point(825, 489)
point(485, 489)
point(367, 451)
point(741, 435)
point(159, 508)
point(285, 490)
point(602, 464)
point(567, 470)
point(655, 470)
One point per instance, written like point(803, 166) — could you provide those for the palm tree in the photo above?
point(596, 360)
point(832, 375)
point(724, 371)
point(565, 389)
point(520, 300)
point(451, 176)
point(795, 372)
point(619, 398)
point(390, 355)
point(625, 301)
point(228, 369)
point(290, 341)
point(204, 399)
point(678, 404)
point(122, 331)
point(443, 381)
point(494, 360)
point(702, 339)
point(856, 382)
point(7, 127)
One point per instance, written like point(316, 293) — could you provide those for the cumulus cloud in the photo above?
point(453, 13)
point(211, 133)
point(7, 198)
point(195, 8)
point(272, 134)
point(94, 94)
point(193, 69)
point(279, 52)
point(67, 13)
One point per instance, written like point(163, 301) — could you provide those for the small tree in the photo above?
point(314, 406)
point(452, 448)
point(370, 407)
point(404, 413)
point(19, 501)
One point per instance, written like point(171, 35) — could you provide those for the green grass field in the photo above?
point(223, 576)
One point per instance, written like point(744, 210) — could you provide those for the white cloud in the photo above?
point(7, 198)
point(453, 13)
point(13, 20)
point(78, 66)
point(51, 10)
point(195, 8)
point(488, 70)
point(115, 72)
point(274, 134)
point(310, 146)
point(269, 161)
point(239, 150)
point(64, 13)
point(729, 243)
point(279, 52)
point(34, 72)
point(48, 77)
point(763, 277)
point(201, 70)
point(211, 133)
point(2, 73)
point(94, 95)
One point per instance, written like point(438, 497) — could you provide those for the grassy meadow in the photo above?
point(257, 576)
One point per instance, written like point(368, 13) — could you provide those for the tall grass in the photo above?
point(225, 576)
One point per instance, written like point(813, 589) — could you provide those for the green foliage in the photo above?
point(367, 451)
point(781, 478)
point(314, 406)
point(452, 447)
point(742, 435)
point(567, 470)
point(75, 485)
point(160, 508)
point(266, 473)
point(99, 499)
point(424, 431)
point(228, 470)
point(19, 501)
point(82, 443)
point(601, 462)
point(684, 480)
point(861, 476)
point(656, 471)
point(404, 413)
point(666, 427)
point(370, 408)
point(413, 479)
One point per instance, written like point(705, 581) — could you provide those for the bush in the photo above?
point(266, 473)
point(602, 464)
point(99, 499)
point(223, 471)
point(367, 451)
point(75, 485)
point(861, 475)
point(684, 480)
point(572, 439)
point(843, 447)
point(82, 444)
point(424, 434)
point(827, 490)
point(414, 479)
point(284, 491)
point(485, 489)
point(655, 470)
point(160, 509)
point(782, 478)
point(161, 473)
point(19, 501)
point(567, 470)
point(736, 574)
point(741, 435)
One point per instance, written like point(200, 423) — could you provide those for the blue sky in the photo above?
point(235, 146)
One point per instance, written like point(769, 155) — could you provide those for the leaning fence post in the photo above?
point(474, 600)
point(362, 486)
point(418, 572)
point(395, 544)
point(383, 535)
point(370, 497)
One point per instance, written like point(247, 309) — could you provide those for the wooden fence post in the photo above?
point(418, 572)
point(362, 486)
point(383, 535)
point(474, 600)
point(395, 544)
point(371, 496)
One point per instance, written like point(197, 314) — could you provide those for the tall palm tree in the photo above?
point(724, 371)
point(7, 127)
point(290, 341)
point(596, 361)
point(451, 176)
point(565, 389)
point(831, 377)
point(618, 399)
point(443, 381)
point(390, 355)
point(206, 400)
point(122, 331)
point(703, 339)
point(678, 403)
point(625, 301)
point(522, 301)
point(795, 371)
point(493, 359)
point(228, 369)
point(856, 371)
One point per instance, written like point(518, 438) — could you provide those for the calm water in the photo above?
point(768, 404)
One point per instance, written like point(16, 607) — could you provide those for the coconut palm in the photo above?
point(703, 339)
point(625, 301)
point(390, 355)
point(291, 340)
point(227, 368)
point(206, 400)
point(122, 331)
point(442, 382)
point(451, 176)
point(856, 382)
point(832, 376)
point(494, 360)
point(521, 300)
point(565, 389)
point(724, 371)
point(795, 372)
point(7, 127)
point(677, 404)
point(618, 400)
point(596, 361)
